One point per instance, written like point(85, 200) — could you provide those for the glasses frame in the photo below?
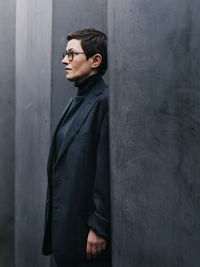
point(70, 54)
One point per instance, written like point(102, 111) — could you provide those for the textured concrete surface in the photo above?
point(155, 127)
point(7, 93)
point(33, 101)
point(155, 109)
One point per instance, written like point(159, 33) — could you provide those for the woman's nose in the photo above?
point(65, 60)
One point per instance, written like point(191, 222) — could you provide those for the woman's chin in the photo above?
point(69, 77)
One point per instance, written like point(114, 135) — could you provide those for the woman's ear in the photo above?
point(96, 61)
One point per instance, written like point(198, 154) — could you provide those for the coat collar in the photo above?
point(82, 114)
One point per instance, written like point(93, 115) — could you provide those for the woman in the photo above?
point(77, 224)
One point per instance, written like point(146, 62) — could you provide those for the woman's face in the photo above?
point(80, 67)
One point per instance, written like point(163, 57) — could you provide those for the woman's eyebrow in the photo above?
point(71, 49)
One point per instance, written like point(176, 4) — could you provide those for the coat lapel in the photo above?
point(51, 154)
point(83, 112)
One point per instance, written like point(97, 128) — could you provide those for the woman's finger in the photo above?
point(99, 249)
point(94, 251)
point(89, 251)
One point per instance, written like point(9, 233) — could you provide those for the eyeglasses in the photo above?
point(70, 54)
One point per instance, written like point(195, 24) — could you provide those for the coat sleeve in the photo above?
point(99, 220)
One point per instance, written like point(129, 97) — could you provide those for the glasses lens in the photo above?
point(69, 54)
point(64, 54)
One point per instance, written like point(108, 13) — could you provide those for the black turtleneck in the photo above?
point(84, 88)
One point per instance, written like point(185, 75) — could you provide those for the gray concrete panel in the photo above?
point(7, 93)
point(69, 16)
point(33, 101)
point(155, 127)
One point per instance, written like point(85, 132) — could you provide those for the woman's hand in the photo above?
point(95, 245)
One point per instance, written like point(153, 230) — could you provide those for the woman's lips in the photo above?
point(67, 69)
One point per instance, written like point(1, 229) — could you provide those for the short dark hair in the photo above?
point(93, 41)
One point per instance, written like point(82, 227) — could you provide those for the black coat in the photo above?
point(78, 196)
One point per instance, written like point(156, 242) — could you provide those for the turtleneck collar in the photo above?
point(85, 86)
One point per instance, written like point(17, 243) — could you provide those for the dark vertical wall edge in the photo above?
point(7, 91)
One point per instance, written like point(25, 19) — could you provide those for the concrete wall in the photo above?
point(33, 103)
point(7, 92)
point(155, 128)
point(154, 120)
